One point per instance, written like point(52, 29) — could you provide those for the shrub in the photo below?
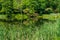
point(29, 8)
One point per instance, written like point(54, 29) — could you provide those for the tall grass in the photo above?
point(46, 31)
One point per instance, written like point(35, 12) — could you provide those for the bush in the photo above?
point(29, 8)
point(40, 6)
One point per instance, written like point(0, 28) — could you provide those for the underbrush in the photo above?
point(46, 31)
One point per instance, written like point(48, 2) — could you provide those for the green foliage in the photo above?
point(30, 13)
point(28, 9)
point(39, 6)
point(47, 31)
point(21, 17)
point(0, 6)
